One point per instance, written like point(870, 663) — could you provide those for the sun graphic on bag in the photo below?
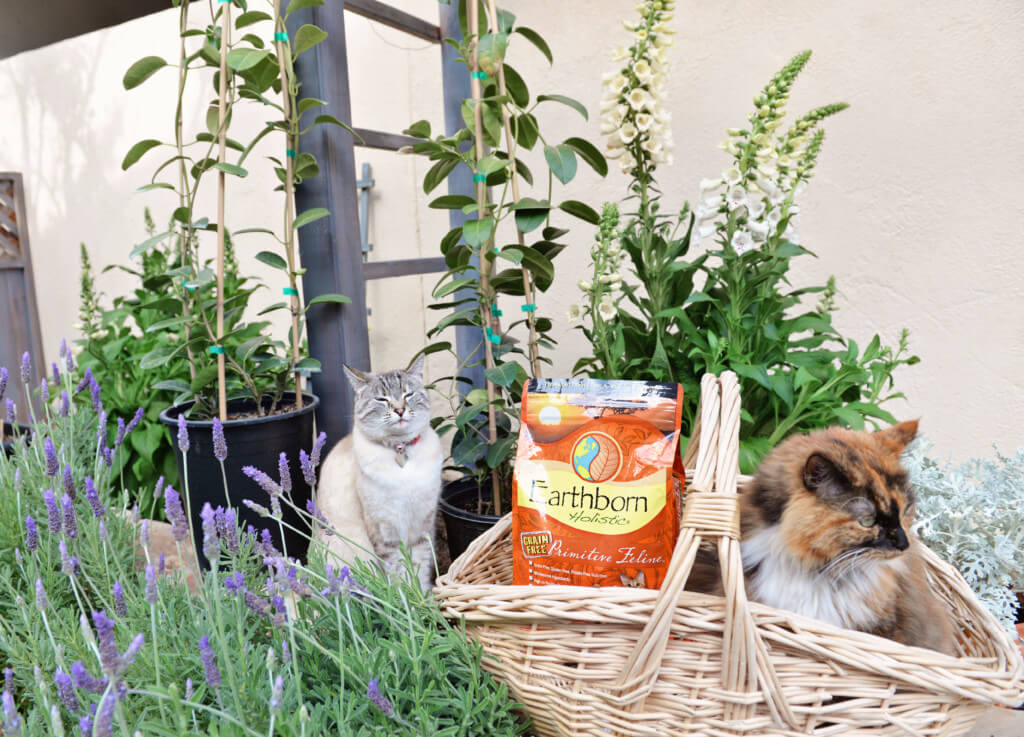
point(596, 457)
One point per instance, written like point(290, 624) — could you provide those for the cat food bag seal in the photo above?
point(598, 483)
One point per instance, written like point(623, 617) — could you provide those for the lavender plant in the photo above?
point(97, 638)
point(969, 514)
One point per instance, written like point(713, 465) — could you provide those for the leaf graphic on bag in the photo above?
point(606, 463)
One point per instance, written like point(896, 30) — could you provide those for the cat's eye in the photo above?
point(382, 399)
point(868, 521)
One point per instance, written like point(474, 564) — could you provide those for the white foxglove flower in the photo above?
point(621, 54)
point(758, 230)
point(584, 285)
point(774, 217)
point(652, 146)
point(644, 122)
point(755, 208)
point(640, 34)
point(776, 197)
point(638, 99)
point(614, 141)
point(575, 313)
point(627, 133)
point(742, 242)
point(614, 153)
point(791, 235)
point(705, 212)
point(710, 185)
point(642, 70)
point(732, 176)
point(606, 309)
point(736, 197)
point(628, 162)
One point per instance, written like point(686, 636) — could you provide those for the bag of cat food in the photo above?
point(597, 483)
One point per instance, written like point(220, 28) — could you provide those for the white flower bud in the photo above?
point(627, 133)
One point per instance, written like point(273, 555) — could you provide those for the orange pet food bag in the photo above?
point(597, 483)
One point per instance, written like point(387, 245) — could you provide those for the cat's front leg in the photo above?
point(422, 555)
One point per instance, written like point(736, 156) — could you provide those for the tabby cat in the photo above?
point(826, 533)
point(379, 485)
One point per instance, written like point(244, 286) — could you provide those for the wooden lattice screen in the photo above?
point(19, 317)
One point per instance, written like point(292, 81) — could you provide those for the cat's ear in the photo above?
point(824, 477)
point(417, 366)
point(899, 435)
point(358, 379)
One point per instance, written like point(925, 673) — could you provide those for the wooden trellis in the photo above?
point(19, 317)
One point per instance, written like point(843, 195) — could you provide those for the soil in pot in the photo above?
point(253, 441)
point(459, 505)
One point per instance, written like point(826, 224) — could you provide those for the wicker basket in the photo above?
point(626, 661)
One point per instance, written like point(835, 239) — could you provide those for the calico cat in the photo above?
point(826, 533)
point(379, 486)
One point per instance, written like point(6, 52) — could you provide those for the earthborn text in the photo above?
point(588, 502)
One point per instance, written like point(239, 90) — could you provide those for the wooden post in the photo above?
point(225, 36)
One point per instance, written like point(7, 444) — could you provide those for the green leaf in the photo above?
point(171, 385)
point(204, 377)
point(148, 243)
point(142, 70)
point(452, 202)
point(308, 216)
point(498, 453)
point(308, 103)
point(301, 5)
point(253, 16)
point(170, 322)
point(525, 127)
point(755, 373)
point(159, 356)
point(419, 129)
point(490, 164)
point(154, 185)
point(456, 284)
point(330, 119)
point(849, 417)
point(516, 87)
point(231, 169)
point(307, 37)
point(309, 364)
point(803, 376)
point(340, 299)
point(562, 161)
point(504, 374)
point(530, 214)
point(438, 173)
point(137, 151)
point(245, 351)
point(477, 232)
point(535, 38)
point(574, 104)
point(242, 59)
point(589, 153)
point(580, 210)
point(272, 259)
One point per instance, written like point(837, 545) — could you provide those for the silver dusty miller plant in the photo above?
point(970, 516)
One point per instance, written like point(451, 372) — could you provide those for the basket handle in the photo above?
point(711, 510)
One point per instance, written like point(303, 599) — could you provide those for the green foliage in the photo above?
point(348, 633)
point(732, 306)
point(259, 68)
point(506, 249)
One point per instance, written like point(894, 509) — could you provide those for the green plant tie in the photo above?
point(529, 307)
point(479, 75)
point(495, 311)
point(281, 36)
point(491, 336)
point(190, 287)
point(216, 350)
point(290, 153)
point(288, 291)
point(221, 2)
point(479, 177)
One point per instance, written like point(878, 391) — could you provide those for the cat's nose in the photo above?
point(399, 411)
point(899, 539)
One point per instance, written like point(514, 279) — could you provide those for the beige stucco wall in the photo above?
point(917, 206)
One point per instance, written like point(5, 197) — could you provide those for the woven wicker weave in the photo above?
point(626, 661)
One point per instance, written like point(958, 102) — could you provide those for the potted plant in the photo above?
point(731, 307)
point(499, 120)
point(243, 388)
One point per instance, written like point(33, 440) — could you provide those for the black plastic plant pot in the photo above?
point(10, 438)
point(461, 525)
point(253, 441)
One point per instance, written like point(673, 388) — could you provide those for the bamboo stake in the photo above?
point(186, 237)
point(291, 146)
point(225, 35)
point(510, 143)
point(485, 261)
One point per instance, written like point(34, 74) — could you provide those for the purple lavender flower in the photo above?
point(161, 563)
point(220, 445)
point(103, 531)
point(318, 446)
point(159, 488)
point(4, 378)
point(66, 690)
point(87, 380)
point(105, 715)
point(9, 679)
point(151, 590)
point(256, 603)
point(12, 720)
point(11, 408)
point(209, 662)
point(18, 557)
point(101, 428)
point(227, 529)
point(122, 430)
point(69, 484)
point(109, 657)
point(257, 508)
point(91, 493)
point(235, 582)
point(26, 368)
point(266, 545)
point(133, 649)
point(182, 434)
point(74, 566)
point(139, 414)
point(108, 457)
point(120, 606)
point(189, 689)
point(316, 514)
point(52, 465)
point(44, 390)
point(94, 392)
point(31, 535)
point(85, 723)
point(65, 404)
point(308, 472)
point(337, 584)
point(378, 699)
point(70, 521)
point(211, 545)
point(63, 349)
point(266, 483)
point(275, 695)
point(66, 563)
point(52, 511)
point(56, 374)
point(285, 473)
point(144, 534)
point(286, 652)
point(176, 515)
point(41, 601)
